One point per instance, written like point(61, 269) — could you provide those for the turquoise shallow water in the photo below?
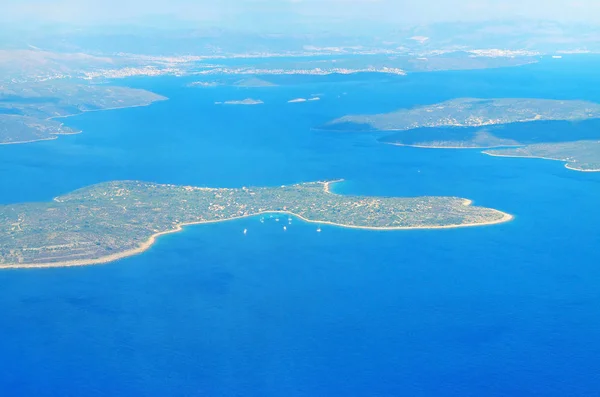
point(503, 310)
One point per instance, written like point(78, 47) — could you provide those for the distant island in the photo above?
point(204, 84)
point(451, 138)
point(247, 101)
point(251, 82)
point(310, 69)
point(113, 220)
point(254, 82)
point(470, 112)
point(28, 112)
point(397, 63)
point(31, 64)
point(300, 100)
point(578, 156)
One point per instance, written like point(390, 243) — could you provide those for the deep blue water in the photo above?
point(507, 310)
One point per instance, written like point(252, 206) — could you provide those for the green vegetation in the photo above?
point(579, 155)
point(252, 82)
point(469, 112)
point(450, 125)
point(21, 129)
point(112, 220)
point(28, 112)
point(37, 65)
point(448, 138)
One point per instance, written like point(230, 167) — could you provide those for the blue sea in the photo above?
point(505, 310)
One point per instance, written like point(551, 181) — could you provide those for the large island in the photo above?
point(113, 220)
point(542, 128)
point(470, 112)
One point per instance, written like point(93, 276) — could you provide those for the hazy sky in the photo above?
point(279, 14)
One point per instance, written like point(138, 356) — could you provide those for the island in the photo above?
point(470, 112)
point(397, 62)
point(31, 64)
point(301, 100)
point(254, 82)
point(247, 101)
point(28, 112)
point(501, 135)
point(114, 220)
point(578, 155)
point(204, 84)
point(453, 138)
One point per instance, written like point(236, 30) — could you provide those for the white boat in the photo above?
point(318, 230)
point(245, 231)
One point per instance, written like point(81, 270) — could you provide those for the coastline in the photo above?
point(56, 134)
point(104, 109)
point(30, 141)
point(144, 246)
point(567, 164)
point(375, 129)
point(327, 185)
point(452, 147)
